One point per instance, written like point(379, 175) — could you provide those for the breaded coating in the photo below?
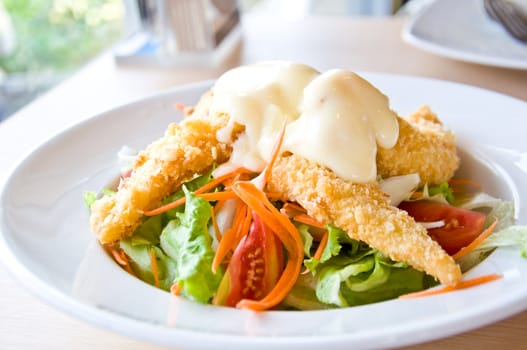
point(187, 149)
point(423, 147)
point(362, 211)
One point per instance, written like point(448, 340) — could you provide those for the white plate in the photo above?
point(46, 243)
point(462, 30)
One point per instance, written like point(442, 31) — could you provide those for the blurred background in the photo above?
point(44, 41)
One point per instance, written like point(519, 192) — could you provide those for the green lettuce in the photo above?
point(443, 189)
point(350, 273)
point(141, 262)
point(186, 240)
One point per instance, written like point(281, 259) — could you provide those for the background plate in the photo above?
point(462, 30)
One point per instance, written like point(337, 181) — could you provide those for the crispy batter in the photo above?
point(186, 150)
point(423, 147)
point(363, 212)
point(191, 148)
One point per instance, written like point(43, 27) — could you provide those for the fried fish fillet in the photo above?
point(191, 148)
point(187, 149)
point(423, 147)
point(362, 211)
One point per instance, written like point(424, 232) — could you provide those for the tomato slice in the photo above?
point(461, 226)
point(254, 268)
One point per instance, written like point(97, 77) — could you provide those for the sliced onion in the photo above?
point(432, 224)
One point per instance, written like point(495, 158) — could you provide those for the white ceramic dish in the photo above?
point(46, 243)
point(462, 30)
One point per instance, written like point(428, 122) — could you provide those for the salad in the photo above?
point(252, 217)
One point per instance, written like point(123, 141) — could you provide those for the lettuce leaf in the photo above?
point(351, 273)
point(443, 189)
point(140, 256)
point(186, 240)
point(332, 248)
point(372, 278)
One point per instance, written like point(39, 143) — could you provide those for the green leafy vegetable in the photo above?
point(186, 240)
point(89, 197)
point(141, 261)
point(332, 248)
point(442, 189)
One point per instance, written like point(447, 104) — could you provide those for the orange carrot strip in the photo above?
point(286, 232)
point(464, 182)
point(219, 205)
point(321, 246)
point(117, 257)
point(176, 289)
point(120, 257)
point(217, 196)
point(274, 154)
point(230, 236)
point(220, 179)
point(209, 186)
point(217, 231)
point(165, 208)
point(477, 241)
point(456, 185)
point(246, 224)
point(127, 266)
point(306, 219)
point(153, 262)
point(461, 285)
point(180, 106)
point(212, 196)
point(291, 210)
point(295, 206)
point(273, 195)
point(416, 194)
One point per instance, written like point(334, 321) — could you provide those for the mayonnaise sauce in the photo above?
point(335, 118)
point(259, 96)
point(343, 119)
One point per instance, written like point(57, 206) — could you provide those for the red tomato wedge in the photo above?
point(461, 226)
point(254, 268)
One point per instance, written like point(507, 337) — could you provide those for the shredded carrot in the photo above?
point(155, 271)
point(117, 256)
point(308, 220)
point(217, 231)
point(464, 182)
point(321, 246)
point(176, 289)
point(246, 224)
point(457, 185)
point(292, 209)
point(209, 186)
point(416, 194)
point(219, 205)
point(285, 231)
point(461, 285)
point(295, 206)
point(476, 242)
point(180, 106)
point(274, 154)
point(221, 179)
point(120, 257)
point(274, 195)
point(217, 196)
point(230, 237)
point(165, 208)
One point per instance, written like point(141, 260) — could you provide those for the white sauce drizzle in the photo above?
point(336, 118)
